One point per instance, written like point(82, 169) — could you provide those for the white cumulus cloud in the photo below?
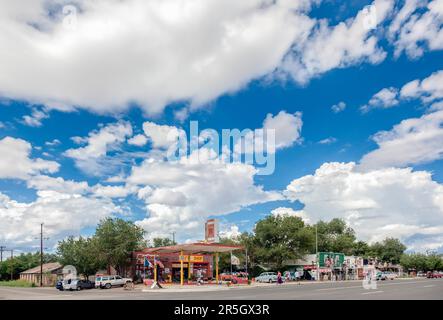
point(412, 141)
point(380, 203)
point(62, 214)
point(98, 144)
point(181, 195)
point(15, 161)
point(418, 27)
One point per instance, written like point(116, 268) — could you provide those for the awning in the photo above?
point(195, 248)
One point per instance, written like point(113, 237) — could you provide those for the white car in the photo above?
point(107, 282)
point(268, 277)
point(69, 284)
point(387, 275)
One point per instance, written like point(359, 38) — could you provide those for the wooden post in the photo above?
point(189, 267)
point(155, 270)
point(216, 267)
point(181, 268)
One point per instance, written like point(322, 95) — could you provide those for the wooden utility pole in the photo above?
point(41, 255)
point(12, 264)
point(2, 248)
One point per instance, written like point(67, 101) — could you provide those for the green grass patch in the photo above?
point(16, 283)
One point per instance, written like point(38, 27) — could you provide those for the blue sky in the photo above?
point(283, 63)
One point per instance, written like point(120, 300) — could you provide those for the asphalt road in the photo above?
point(423, 289)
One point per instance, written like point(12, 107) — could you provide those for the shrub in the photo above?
point(17, 283)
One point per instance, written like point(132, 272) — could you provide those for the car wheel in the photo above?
point(108, 286)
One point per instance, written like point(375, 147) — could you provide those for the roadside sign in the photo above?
point(331, 259)
point(187, 258)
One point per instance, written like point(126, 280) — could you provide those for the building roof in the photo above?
point(47, 267)
point(200, 247)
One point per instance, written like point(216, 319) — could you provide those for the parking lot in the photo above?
point(424, 289)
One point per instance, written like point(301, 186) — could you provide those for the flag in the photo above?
point(147, 264)
point(234, 260)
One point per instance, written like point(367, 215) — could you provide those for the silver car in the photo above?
point(268, 277)
point(107, 282)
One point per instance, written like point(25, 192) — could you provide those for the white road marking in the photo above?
point(338, 288)
point(378, 283)
point(372, 292)
point(430, 286)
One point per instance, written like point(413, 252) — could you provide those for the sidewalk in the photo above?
point(223, 287)
point(186, 288)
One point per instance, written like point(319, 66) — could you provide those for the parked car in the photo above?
point(421, 274)
point(107, 282)
point(434, 275)
point(386, 275)
point(59, 285)
point(77, 284)
point(85, 284)
point(235, 277)
point(267, 277)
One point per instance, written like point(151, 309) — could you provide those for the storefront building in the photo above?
point(182, 263)
point(169, 266)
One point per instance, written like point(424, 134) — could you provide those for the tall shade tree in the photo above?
point(434, 261)
point(421, 262)
point(280, 238)
point(389, 250)
point(116, 240)
point(162, 242)
point(335, 236)
point(360, 249)
point(82, 253)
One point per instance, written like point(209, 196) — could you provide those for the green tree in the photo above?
point(23, 262)
point(360, 249)
point(162, 242)
point(82, 253)
point(116, 240)
point(335, 236)
point(434, 261)
point(414, 261)
point(280, 238)
point(389, 250)
point(224, 263)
